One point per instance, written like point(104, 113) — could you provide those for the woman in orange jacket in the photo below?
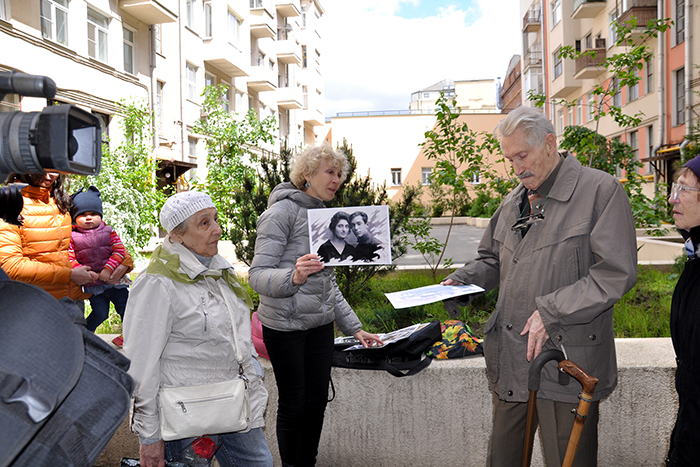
point(37, 251)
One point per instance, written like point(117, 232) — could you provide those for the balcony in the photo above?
point(642, 11)
point(262, 78)
point(151, 11)
point(588, 67)
point(262, 23)
point(290, 98)
point(288, 52)
point(588, 8)
point(532, 21)
point(220, 53)
point(287, 10)
point(532, 58)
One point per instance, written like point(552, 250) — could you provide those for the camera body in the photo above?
point(61, 138)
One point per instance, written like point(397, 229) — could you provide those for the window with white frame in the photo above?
point(234, 28)
point(5, 10)
point(54, 20)
point(256, 3)
point(303, 16)
point(128, 50)
point(191, 80)
point(579, 111)
point(633, 91)
point(396, 176)
point(303, 56)
point(189, 12)
point(560, 121)
point(425, 173)
point(556, 12)
point(226, 99)
point(612, 28)
point(475, 178)
point(569, 115)
point(208, 26)
point(650, 147)
point(590, 102)
point(680, 95)
point(159, 107)
point(209, 79)
point(615, 88)
point(97, 29)
point(680, 21)
point(239, 102)
point(634, 143)
point(158, 30)
point(557, 61)
point(649, 81)
point(192, 149)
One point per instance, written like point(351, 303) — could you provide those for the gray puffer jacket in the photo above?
point(283, 236)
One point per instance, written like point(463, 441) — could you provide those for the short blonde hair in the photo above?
point(307, 163)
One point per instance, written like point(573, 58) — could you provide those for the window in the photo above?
point(650, 146)
point(256, 3)
point(569, 115)
point(634, 143)
point(128, 50)
point(475, 178)
point(680, 96)
point(680, 21)
point(54, 20)
point(590, 101)
point(560, 121)
point(159, 107)
point(189, 11)
point(396, 176)
point(615, 87)
point(208, 26)
point(633, 91)
point(579, 111)
point(234, 28)
point(556, 12)
point(426, 95)
point(425, 173)
point(589, 41)
point(239, 103)
point(305, 92)
point(159, 38)
point(303, 16)
point(303, 56)
point(612, 29)
point(5, 10)
point(557, 60)
point(191, 80)
point(650, 76)
point(97, 35)
point(192, 149)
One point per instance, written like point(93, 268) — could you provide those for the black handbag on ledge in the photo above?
point(401, 355)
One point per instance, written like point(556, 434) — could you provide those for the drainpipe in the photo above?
point(688, 74)
point(153, 86)
point(660, 90)
point(183, 135)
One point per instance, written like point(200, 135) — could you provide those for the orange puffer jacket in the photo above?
point(37, 252)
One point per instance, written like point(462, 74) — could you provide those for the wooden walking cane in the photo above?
point(533, 385)
point(589, 383)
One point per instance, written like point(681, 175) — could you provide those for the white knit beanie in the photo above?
point(179, 207)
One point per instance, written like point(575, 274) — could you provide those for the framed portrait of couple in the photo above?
point(351, 236)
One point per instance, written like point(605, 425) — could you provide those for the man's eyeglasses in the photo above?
point(525, 222)
point(676, 189)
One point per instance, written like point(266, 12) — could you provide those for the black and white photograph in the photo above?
point(351, 235)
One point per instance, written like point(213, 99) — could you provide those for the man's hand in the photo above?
point(450, 282)
point(537, 335)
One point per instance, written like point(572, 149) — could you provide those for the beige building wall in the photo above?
point(476, 95)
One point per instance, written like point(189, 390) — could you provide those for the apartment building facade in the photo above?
point(666, 94)
point(164, 52)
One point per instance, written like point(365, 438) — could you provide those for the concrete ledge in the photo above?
point(442, 416)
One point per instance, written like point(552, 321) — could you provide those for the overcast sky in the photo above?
point(377, 52)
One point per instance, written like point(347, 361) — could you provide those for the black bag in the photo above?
point(404, 354)
point(63, 390)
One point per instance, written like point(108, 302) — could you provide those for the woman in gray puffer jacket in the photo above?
point(299, 301)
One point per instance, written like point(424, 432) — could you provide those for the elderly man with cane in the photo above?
point(562, 249)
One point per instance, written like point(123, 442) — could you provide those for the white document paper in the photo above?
point(429, 294)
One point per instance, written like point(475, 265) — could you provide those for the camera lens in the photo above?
point(17, 154)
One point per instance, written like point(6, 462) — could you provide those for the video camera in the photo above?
point(61, 138)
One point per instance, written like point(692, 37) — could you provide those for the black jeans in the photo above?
point(100, 305)
point(301, 361)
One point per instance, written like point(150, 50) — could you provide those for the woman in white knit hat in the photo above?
point(178, 332)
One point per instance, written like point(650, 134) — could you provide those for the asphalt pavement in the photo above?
point(461, 246)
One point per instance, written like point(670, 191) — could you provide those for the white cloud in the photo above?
point(374, 59)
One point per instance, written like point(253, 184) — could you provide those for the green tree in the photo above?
point(460, 154)
point(127, 180)
point(232, 143)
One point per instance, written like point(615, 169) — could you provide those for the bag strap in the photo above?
point(398, 373)
point(239, 355)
